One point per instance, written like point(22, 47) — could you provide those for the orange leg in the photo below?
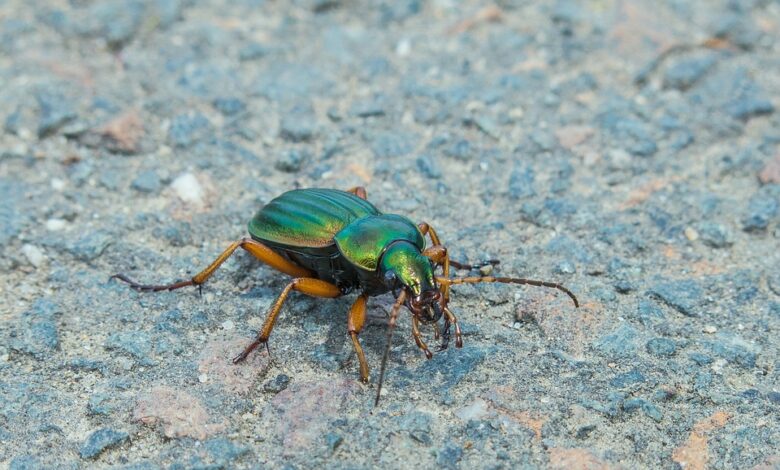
point(306, 285)
point(355, 322)
point(418, 338)
point(257, 249)
point(359, 191)
point(440, 253)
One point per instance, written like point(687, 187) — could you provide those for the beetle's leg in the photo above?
point(418, 338)
point(442, 253)
point(257, 249)
point(355, 321)
point(306, 285)
point(359, 191)
point(507, 280)
point(450, 318)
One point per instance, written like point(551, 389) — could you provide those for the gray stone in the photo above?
point(428, 167)
point(521, 182)
point(187, 129)
point(229, 106)
point(278, 384)
point(715, 235)
point(225, 451)
point(100, 441)
point(620, 343)
point(299, 124)
point(292, 160)
point(763, 207)
point(91, 246)
point(684, 73)
point(661, 347)
point(148, 181)
point(136, 344)
point(633, 377)
point(389, 144)
point(685, 296)
point(55, 111)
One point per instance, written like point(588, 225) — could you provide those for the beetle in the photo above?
point(333, 242)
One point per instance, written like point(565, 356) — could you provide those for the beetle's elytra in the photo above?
point(333, 242)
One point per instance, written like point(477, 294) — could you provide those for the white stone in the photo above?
point(188, 189)
point(33, 254)
point(55, 225)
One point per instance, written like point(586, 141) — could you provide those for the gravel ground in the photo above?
point(628, 149)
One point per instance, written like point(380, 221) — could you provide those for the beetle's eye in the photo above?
point(390, 277)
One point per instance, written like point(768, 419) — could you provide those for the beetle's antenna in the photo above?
point(390, 328)
point(508, 280)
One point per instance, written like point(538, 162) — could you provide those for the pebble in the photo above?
point(188, 189)
point(55, 225)
point(521, 183)
point(685, 296)
point(709, 329)
point(102, 440)
point(716, 235)
point(661, 347)
point(299, 124)
point(187, 129)
point(428, 167)
point(34, 255)
point(136, 344)
point(684, 73)
point(148, 181)
point(621, 342)
point(292, 160)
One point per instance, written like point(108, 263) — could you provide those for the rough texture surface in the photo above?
point(626, 148)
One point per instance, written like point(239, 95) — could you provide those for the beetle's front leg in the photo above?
point(355, 321)
point(449, 318)
point(418, 338)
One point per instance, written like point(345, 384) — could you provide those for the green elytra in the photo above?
point(345, 240)
point(332, 242)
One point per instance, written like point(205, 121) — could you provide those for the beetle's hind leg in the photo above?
point(307, 285)
point(257, 249)
point(359, 191)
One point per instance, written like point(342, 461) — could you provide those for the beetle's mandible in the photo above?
point(333, 242)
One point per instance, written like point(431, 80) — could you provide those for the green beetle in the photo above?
point(333, 242)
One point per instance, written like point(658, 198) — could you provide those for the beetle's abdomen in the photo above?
point(308, 218)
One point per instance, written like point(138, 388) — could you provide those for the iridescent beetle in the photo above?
point(333, 242)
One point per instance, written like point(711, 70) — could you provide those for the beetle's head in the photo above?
point(404, 267)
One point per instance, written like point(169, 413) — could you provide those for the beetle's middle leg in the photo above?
point(307, 285)
point(257, 249)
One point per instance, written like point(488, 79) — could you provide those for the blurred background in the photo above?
point(625, 148)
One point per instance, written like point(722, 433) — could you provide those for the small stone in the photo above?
point(34, 255)
point(624, 287)
point(773, 397)
point(55, 225)
point(203, 378)
point(187, 129)
point(448, 457)
point(691, 234)
point(391, 144)
point(292, 160)
point(90, 246)
point(770, 174)
point(224, 450)
point(180, 414)
point(228, 325)
point(188, 189)
point(684, 73)
point(460, 150)
point(684, 295)
point(619, 343)
point(661, 347)
point(253, 51)
point(521, 183)
point(299, 124)
point(762, 208)
point(700, 359)
point(279, 383)
point(709, 329)
point(428, 166)
point(372, 107)
point(229, 106)
point(136, 344)
point(333, 441)
point(100, 441)
point(55, 112)
point(565, 267)
point(147, 181)
point(716, 235)
point(632, 377)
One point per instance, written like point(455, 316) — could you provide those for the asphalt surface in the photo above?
point(627, 149)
